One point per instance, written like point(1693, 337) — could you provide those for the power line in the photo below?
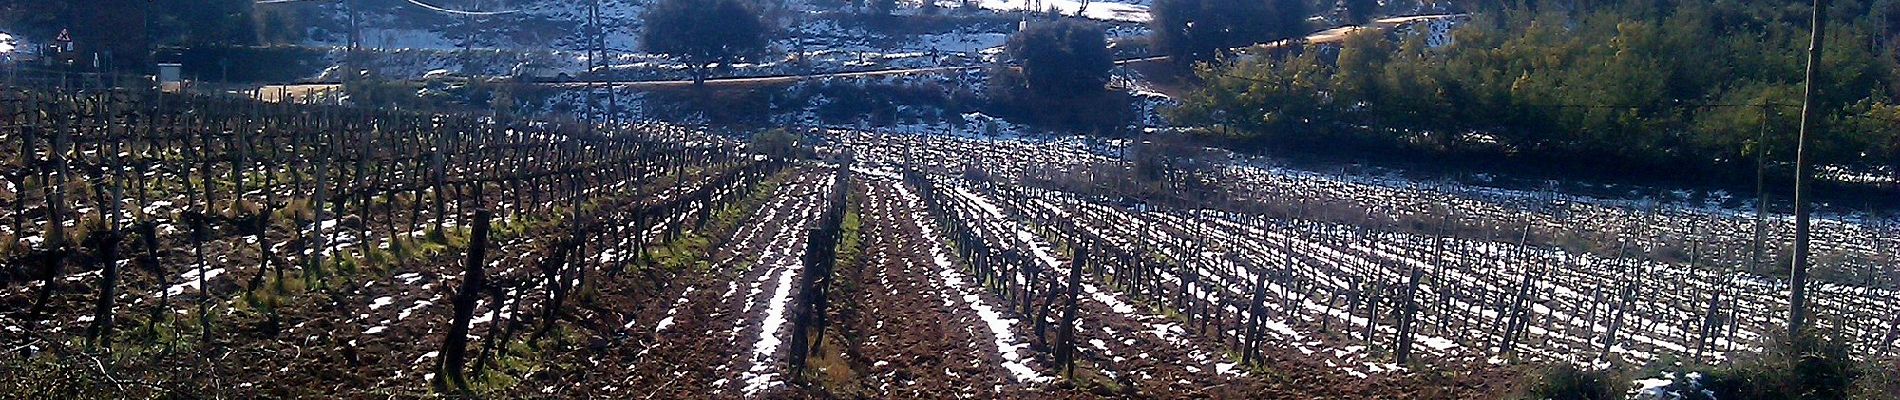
point(417, 3)
point(431, 7)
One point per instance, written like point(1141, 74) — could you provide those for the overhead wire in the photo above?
point(417, 3)
point(435, 8)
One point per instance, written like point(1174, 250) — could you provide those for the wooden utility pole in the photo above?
point(594, 44)
point(356, 40)
point(600, 50)
point(1798, 275)
point(1761, 190)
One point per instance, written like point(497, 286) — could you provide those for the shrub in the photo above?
point(1881, 381)
point(1809, 366)
point(1567, 382)
point(776, 142)
point(1101, 112)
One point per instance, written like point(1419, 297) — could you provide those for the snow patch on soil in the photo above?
point(999, 327)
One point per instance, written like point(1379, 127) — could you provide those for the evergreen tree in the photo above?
point(1062, 58)
point(1205, 30)
point(1638, 87)
point(1360, 12)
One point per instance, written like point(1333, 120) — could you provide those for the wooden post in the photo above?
point(474, 283)
point(1065, 337)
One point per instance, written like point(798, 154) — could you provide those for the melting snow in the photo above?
point(668, 321)
point(380, 302)
point(1096, 10)
point(190, 280)
point(998, 326)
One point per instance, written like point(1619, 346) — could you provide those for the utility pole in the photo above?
point(356, 39)
point(600, 45)
point(1761, 189)
point(1798, 275)
point(593, 59)
point(798, 39)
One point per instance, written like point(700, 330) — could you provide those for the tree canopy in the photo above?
point(700, 32)
point(1360, 12)
point(1064, 67)
point(1062, 57)
point(1670, 86)
point(1204, 30)
point(127, 28)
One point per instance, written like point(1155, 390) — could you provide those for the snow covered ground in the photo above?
point(1571, 291)
point(1124, 11)
point(549, 36)
point(950, 277)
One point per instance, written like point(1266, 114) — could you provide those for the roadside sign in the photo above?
point(65, 40)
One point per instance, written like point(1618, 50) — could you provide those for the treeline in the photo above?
point(1678, 86)
point(127, 30)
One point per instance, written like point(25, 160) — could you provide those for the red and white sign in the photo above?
point(65, 40)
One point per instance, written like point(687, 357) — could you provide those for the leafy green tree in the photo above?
point(1886, 20)
point(1062, 58)
point(1271, 100)
point(1361, 65)
point(702, 32)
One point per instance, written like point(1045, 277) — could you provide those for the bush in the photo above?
point(1881, 381)
point(1104, 112)
point(776, 142)
point(250, 64)
point(731, 107)
point(384, 94)
point(1567, 382)
point(1811, 366)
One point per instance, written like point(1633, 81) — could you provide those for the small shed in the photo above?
point(171, 77)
